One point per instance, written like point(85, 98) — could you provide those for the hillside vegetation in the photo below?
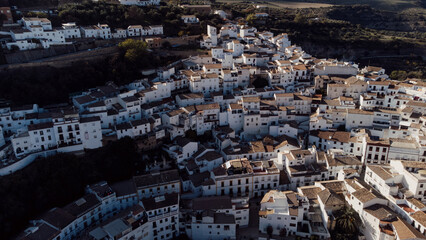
point(47, 85)
point(410, 20)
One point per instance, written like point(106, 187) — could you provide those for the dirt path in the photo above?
point(63, 60)
point(285, 4)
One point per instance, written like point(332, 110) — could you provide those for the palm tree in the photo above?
point(348, 221)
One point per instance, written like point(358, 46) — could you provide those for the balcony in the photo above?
point(159, 216)
point(381, 123)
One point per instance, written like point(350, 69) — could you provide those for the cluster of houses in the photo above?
point(39, 33)
point(156, 206)
point(142, 3)
point(299, 144)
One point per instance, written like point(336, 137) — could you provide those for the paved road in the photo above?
point(67, 58)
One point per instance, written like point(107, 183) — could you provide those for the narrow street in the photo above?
point(252, 231)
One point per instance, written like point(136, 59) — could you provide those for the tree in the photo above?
point(260, 82)
point(133, 50)
point(416, 74)
point(269, 230)
point(36, 14)
point(398, 75)
point(191, 134)
point(251, 18)
point(283, 233)
point(348, 221)
point(299, 18)
point(134, 15)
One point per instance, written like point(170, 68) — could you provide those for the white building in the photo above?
point(189, 99)
point(208, 41)
point(29, 22)
point(189, 19)
point(304, 168)
point(129, 224)
point(182, 150)
point(241, 177)
point(227, 214)
point(71, 30)
point(213, 226)
point(100, 31)
point(140, 2)
point(337, 161)
point(133, 129)
point(36, 33)
point(157, 184)
point(326, 140)
point(67, 134)
point(281, 210)
point(119, 33)
point(163, 215)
